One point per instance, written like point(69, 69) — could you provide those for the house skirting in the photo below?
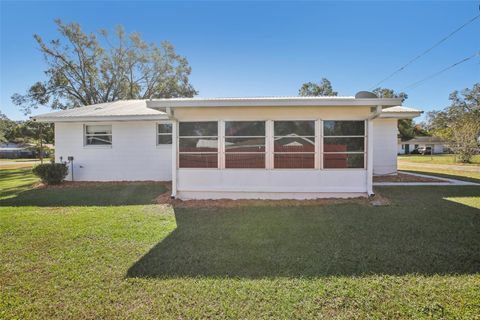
point(238, 195)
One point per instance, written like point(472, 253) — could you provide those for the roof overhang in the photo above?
point(270, 102)
point(399, 112)
point(101, 118)
point(400, 115)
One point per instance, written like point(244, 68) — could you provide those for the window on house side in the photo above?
point(294, 144)
point(343, 144)
point(164, 133)
point(244, 144)
point(198, 144)
point(98, 135)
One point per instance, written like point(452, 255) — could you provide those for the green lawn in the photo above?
point(437, 159)
point(441, 172)
point(108, 252)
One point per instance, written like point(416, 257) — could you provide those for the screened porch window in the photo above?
point(294, 144)
point(343, 144)
point(244, 144)
point(198, 144)
point(98, 135)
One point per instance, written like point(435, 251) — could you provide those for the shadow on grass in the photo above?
point(444, 175)
point(431, 237)
point(102, 195)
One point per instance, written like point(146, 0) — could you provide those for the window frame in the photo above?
point(157, 134)
point(97, 146)
point(315, 136)
point(224, 137)
point(365, 145)
point(179, 153)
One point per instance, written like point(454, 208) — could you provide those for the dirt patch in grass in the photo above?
point(403, 177)
point(379, 200)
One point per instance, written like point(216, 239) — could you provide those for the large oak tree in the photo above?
point(84, 69)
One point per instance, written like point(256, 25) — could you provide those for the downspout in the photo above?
point(171, 116)
point(375, 114)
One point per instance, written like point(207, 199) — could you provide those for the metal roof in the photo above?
point(117, 110)
point(400, 109)
point(152, 109)
point(399, 112)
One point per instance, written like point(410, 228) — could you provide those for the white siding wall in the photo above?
point(133, 155)
point(385, 146)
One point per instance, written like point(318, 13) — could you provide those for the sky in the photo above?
point(265, 48)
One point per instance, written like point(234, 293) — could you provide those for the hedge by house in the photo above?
point(51, 173)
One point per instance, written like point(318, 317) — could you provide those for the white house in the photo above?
point(271, 147)
point(437, 145)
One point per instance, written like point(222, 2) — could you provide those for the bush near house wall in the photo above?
point(51, 173)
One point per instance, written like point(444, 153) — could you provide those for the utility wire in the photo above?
point(426, 51)
point(419, 82)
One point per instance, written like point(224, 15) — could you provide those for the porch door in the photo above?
point(407, 149)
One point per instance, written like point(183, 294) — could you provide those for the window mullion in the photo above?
point(269, 146)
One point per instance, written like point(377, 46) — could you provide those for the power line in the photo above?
point(426, 51)
point(417, 83)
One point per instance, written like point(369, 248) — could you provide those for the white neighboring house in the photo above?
point(437, 145)
point(267, 148)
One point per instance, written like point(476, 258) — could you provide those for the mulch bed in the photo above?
point(228, 203)
point(403, 177)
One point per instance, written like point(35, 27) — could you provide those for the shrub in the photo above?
point(51, 173)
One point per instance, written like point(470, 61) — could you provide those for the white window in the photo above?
point(294, 144)
point(198, 144)
point(244, 144)
point(164, 133)
point(343, 144)
point(98, 135)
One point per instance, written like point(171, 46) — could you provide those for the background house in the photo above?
point(15, 151)
point(437, 145)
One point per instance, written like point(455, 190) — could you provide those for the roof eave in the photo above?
point(400, 115)
point(50, 119)
point(198, 103)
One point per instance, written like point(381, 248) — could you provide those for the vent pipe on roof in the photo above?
point(365, 95)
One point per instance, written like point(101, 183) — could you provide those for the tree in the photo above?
point(390, 93)
point(324, 88)
point(459, 123)
point(82, 70)
point(23, 132)
point(6, 126)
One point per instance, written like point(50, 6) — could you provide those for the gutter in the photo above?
point(171, 116)
point(375, 114)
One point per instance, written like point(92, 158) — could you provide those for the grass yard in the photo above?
point(437, 159)
point(19, 163)
point(108, 252)
point(472, 176)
